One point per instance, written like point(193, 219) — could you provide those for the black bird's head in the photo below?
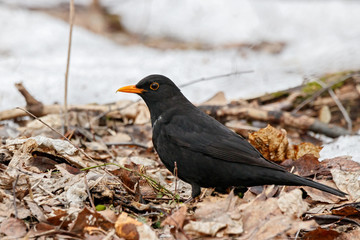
point(158, 92)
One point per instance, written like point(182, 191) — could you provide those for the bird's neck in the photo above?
point(160, 109)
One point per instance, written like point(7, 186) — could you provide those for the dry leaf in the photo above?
point(344, 163)
point(40, 228)
point(321, 196)
point(131, 229)
point(117, 138)
point(263, 219)
point(176, 219)
point(320, 233)
point(271, 142)
point(304, 148)
point(88, 217)
point(217, 100)
point(292, 203)
point(325, 114)
point(204, 228)
point(307, 165)
point(214, 215)
point(351, 209)
point(347, 182)
point(13, 227)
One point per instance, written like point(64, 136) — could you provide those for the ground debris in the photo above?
point(113, 185)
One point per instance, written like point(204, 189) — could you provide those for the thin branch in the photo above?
point(214, 77)
point(14, 195)
point(89, 194)
point(127, 144)
point(71, 22)
point(151, 181)
point(176, 177)
point(65, 138)
point(340, 106)
point(321, 91)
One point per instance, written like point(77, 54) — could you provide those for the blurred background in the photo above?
point(118, 42)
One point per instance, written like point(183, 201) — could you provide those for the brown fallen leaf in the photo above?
point(117, 138)
point(129, 178)
point(131, 229)
point(13, 227)
point(320, 233)
point(266, 220)
point(218, 99)
point(40, 228)
point(214, 215)
point(304, 148)
point(271, 142)
point(176, 219)
point(320, 196)
point(204, 228)
point(343, 162)
point(307, 165)
point(347, 182)
point(351, 209)
point(87, 217)
point(292, 203)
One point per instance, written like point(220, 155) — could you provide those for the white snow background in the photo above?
point(321, 36)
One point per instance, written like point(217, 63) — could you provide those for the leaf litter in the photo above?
point(49, 189)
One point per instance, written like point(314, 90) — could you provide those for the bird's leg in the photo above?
point(195, 190)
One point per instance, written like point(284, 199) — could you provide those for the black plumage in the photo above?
point(207, 153)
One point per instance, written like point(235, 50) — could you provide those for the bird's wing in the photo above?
point(206, 135)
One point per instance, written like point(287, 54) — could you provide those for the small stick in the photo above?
point(65, 138)
point(71, 22)
point(319, 92)
point(151, 181)
point(48, 192)
point(291, 171)
point(214, 77)
point(89, 194)
point(30, 188)
point(126, 144)
point(176, 177)
point(14, 195)
point(340, 106)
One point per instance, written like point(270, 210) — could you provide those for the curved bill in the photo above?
point(130, 89)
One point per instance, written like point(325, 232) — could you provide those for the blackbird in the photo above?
point(207, 154)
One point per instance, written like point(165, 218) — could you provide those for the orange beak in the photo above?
point(130, 89)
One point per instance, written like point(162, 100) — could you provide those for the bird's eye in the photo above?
point(154, 86)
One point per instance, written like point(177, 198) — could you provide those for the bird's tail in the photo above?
point(301, 181)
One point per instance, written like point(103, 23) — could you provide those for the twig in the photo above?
point(110, 235)
point(14, 195)
point(319, 92)
point(32, 104)
point(71, 22)
point(176, 177)
point(214, 77)
point(48, 192)
point(151, 181)
point(29, 187)
point(126, 144)
point(291, 171)
point(65, 138)
point(89, 194)
point(340, 106)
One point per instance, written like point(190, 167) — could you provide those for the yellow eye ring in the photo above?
point(154, 86)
